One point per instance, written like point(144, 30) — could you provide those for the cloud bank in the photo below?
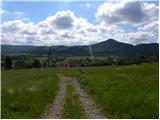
point(64, 28)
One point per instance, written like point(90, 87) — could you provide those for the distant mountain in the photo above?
point(112, 47)
point(105, 48)
point(148, 49)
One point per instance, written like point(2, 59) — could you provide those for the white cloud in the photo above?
point(137, 37)
point(110, 29)
point(2, 11)
point(152, 11)
point(64, 28)
point(19, 26)
point(150, 27)
point(133, 12)
point(62, 20)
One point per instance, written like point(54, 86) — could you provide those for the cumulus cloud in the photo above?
point(61, 20)
point(150, 27)
point(133, 12)
point(19, 26)
point(137, 37)
point(110, 29)
point(64, 28)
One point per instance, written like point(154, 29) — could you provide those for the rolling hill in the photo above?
point(109, 47)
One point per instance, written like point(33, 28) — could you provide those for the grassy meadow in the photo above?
point(129, 91)
point(26, 93)
point(122, 91)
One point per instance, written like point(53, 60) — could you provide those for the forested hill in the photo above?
point(105, 48)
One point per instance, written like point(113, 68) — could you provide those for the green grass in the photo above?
point(41, 59)
point(122, 91)
point(26, 93)
point(84, 57)
point(129, 91)
point(72, 108)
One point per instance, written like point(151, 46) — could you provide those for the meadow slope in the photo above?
point(129, 91)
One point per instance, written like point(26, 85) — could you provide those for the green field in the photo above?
point(26, 93)
point(129, 91)
point(122, 91)
point(84, 57)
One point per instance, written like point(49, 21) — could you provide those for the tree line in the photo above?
point(7, 61)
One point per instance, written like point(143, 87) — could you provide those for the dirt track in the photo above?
point(91, 109)
point(57, 106)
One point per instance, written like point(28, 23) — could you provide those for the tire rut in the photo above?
point(55, 111)
point(91, 109)
point(57, 106)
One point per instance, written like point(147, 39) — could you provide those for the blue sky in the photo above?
point(124, 21)
point(37, 11)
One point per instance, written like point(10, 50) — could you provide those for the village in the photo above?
point(50, 60)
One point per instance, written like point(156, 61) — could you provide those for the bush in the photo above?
point(8, 63)
point(36, 63)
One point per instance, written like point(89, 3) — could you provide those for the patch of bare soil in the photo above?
point(57, 106)
point(33, 88)
point(91, 109)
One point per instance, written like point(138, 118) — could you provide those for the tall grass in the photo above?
point(26, 93)
point(122, 91)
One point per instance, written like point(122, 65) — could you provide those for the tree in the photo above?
point(36, 63)
point(8, 63)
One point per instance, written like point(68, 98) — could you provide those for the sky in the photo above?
point(78, 22)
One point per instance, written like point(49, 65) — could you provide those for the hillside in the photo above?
point(109, 47)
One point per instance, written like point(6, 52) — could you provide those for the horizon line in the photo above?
point(76, 45)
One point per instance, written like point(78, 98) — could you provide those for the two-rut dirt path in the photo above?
point(91, 109)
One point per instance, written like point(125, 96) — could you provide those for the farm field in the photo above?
point(129, 91)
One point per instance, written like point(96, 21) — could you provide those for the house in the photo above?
point(68, 63)
point(19, 64)
point(75, 63)
point(62, 64)
point(44, 63)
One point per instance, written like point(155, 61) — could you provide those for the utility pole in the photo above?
point(49, 57)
